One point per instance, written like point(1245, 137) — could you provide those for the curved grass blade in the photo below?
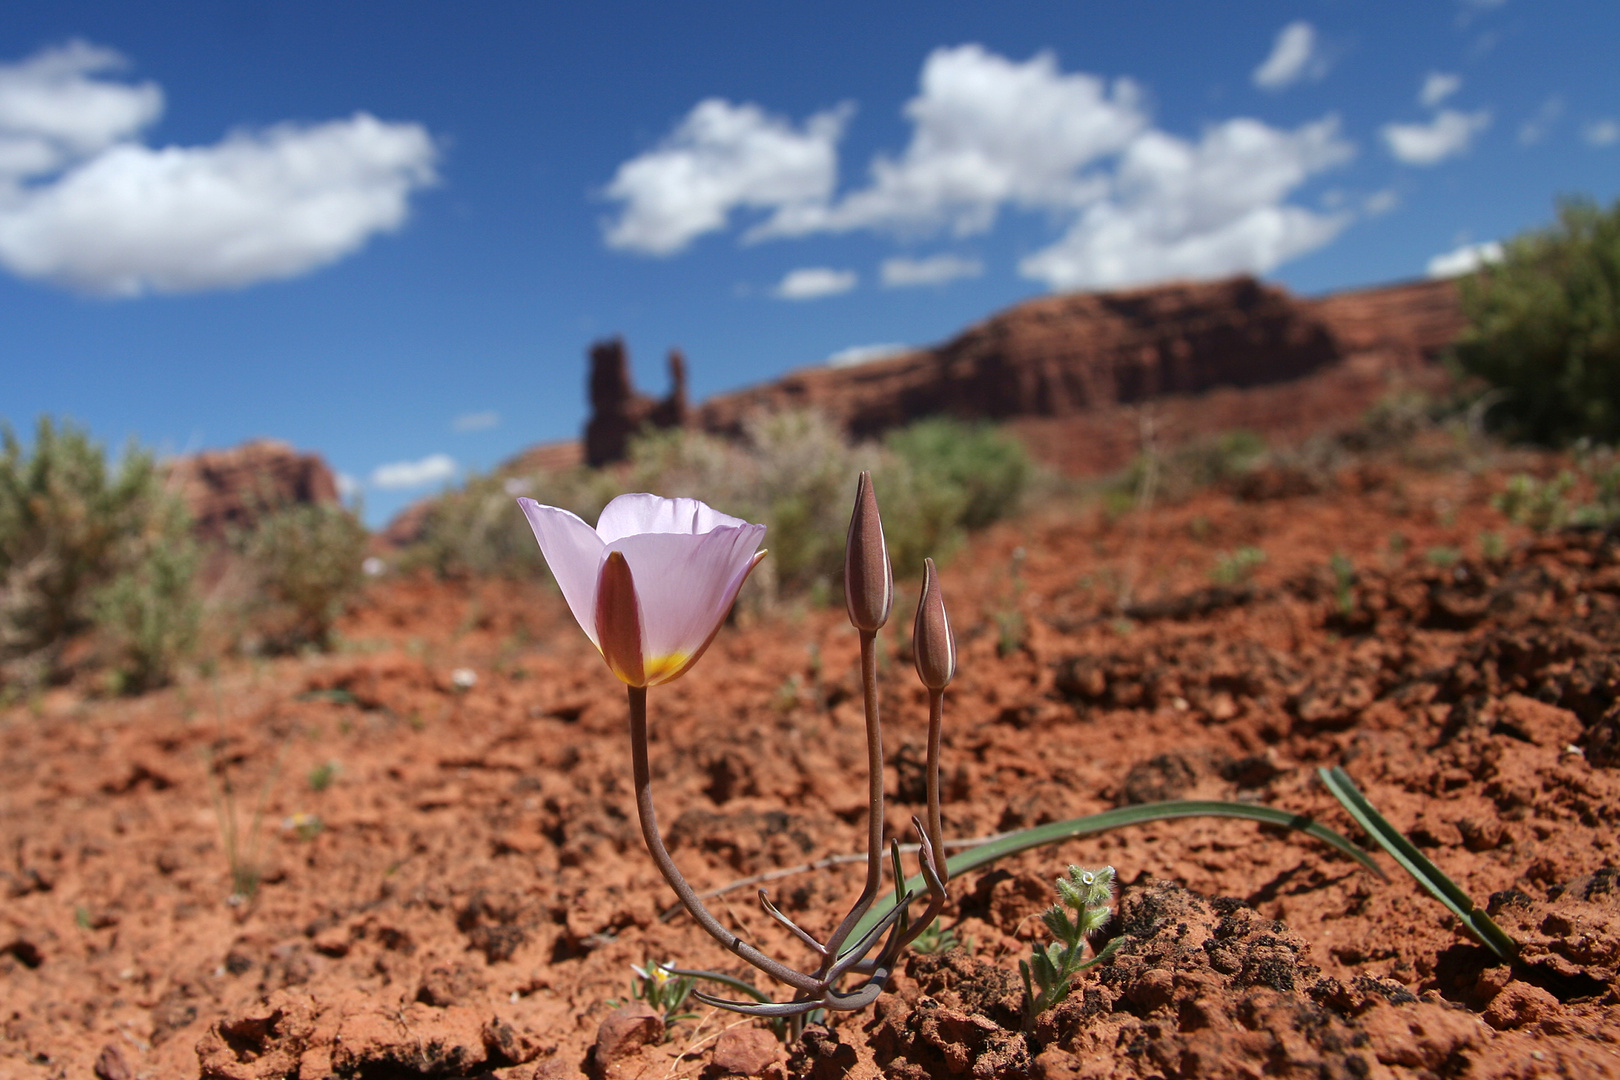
point(1414, 862)
point(1051, 833)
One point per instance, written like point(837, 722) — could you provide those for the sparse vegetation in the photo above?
point(938, 478)
point(1236, 567)
point(1050, 971)
point(305, 561)
point(84, 544)
point(1544, 328)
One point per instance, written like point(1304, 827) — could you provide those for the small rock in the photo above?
point(110, 1065)
point(1519, 1005)
point(745, 1051)
point(626, 1030)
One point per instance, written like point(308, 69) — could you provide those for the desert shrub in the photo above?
point(478, 530)
point(83, 543)
point(990, 469)
point(1544, 327)
point(792, 471)
point(150, 610)
point(305, 564)
point(1178, 473)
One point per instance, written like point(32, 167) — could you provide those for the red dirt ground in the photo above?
point(477, 888)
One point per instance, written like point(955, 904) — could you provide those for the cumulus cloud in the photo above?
point(1183, 209)
point(347, 486)
point(986, 132)
point(404, 475)
point(856, 355)
point(721, 158)
point(900, 272)
point(991, 134)
point(478, 421)
point(1437, 86)
point(1295, 55)
point(1465, 259)
point(814, 282)
point(85, 205)
point(1446, 136)
point(1601, 133)
point(53, 111)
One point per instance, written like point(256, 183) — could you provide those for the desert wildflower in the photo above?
point(652, 582)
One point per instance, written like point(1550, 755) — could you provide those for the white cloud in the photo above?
point(403, 475)
point(900, 272)
point(1294, 56)
point(478, 421)
point(1437, 86)
point(347, 486)
point(720, 158)
point(1535, 129)
point(1447, 135)
point(102, 213)
point(1464, 260)
point(814, 282)
point(1181, 209)
point(53, 112)
point(1601, 133)
point(856, 355)
point(986, 131)
point(992, 134)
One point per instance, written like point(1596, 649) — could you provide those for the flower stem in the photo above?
point(936, 827)
point(874, 815)
point(672, 874)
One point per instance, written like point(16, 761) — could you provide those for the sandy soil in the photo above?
point(468, 891)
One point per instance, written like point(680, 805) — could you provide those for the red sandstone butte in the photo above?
point(231, 489)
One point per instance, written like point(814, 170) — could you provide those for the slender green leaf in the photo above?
point(1023, 840)
point(1414, 862)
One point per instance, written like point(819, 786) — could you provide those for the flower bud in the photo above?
point(868, 578)
point(932, 645)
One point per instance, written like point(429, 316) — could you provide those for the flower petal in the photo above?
point(630, 515)
point(686, 585)
point(618, 620)
point(574, 552)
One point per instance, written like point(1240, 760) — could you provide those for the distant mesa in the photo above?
point(1070, 372)
point(1074, 376)
point(231, 490)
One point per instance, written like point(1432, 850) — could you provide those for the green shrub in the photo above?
point(793, 471)
point(988, 469)
point(305, 562)
point(478, 530)
point(150, 610)
point(1544, 327)
point(82, 544)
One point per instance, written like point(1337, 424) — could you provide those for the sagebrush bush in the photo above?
point(305, 563)
point(150, 610)
point(1544, 328)
point(478, 532)
point(82, 544)
point(987, 470)
point(790, 471)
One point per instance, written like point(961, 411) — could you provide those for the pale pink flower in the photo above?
point(653, 609)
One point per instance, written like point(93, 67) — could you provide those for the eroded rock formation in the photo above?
point(1064, 355)
point(231, 489)
point(1071, 373)
point(618, 411)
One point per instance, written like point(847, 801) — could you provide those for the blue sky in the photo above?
point(388, 232)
